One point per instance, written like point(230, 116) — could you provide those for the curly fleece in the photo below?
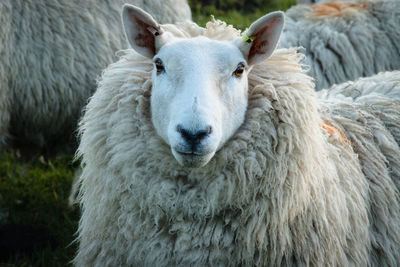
point(345, 40)
point(302, 182)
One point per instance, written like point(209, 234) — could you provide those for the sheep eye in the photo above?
point(239, 70)
point(159, 65)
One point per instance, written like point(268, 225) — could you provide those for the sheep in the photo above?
point(212, 149)
point(166, 11)
point(332, 1)
point(345, 40)
point(373, 93)
point(51, 54)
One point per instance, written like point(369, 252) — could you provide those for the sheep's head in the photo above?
point(199, 93)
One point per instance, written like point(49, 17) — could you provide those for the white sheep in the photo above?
point(373, 93)
point(345, 40)
point(167, 11)
point(199, 152)
point(51, 53)
point(332, 1)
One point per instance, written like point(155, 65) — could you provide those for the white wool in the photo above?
point(165, 11)
point(303, 182)
point(51, 54)
point(332, 1)
point(373, 94)
point(344, 41)
point(385, 83)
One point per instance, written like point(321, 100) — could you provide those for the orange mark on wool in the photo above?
point(336, 9)
point(335, 132)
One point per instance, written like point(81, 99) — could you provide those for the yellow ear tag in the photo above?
point(248, 39)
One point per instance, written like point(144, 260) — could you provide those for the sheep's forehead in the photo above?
point(200, 54)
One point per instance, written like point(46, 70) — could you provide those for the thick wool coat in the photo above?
point(305, 181)
point(345, 40)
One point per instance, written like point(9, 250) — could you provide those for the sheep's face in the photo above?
point(199, 96)
point(199, 93)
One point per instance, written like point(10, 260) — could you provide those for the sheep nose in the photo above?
point(194, 137)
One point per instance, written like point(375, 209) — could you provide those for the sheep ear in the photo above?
point(261, 38)
point(142, 31)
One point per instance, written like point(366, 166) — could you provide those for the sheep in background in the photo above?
point(51, 53)
point(210, 155)
point(374, 92)
point(167, 11)
point(345, 41)
point(326, 1)
point(383, 83)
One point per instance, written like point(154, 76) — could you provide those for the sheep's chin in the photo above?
point(192, 160)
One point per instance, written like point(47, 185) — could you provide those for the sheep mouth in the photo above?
point(192, 151)
point(192, 159)
point(191, 154)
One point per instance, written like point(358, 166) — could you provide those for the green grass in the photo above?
point(238, 18)
point(36, 193)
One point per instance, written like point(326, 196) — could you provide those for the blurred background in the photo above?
point(238, 13)
point(37, 226)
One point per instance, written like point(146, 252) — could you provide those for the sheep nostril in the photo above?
point(209, 129)
point(203, 133)
point(193, 136)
